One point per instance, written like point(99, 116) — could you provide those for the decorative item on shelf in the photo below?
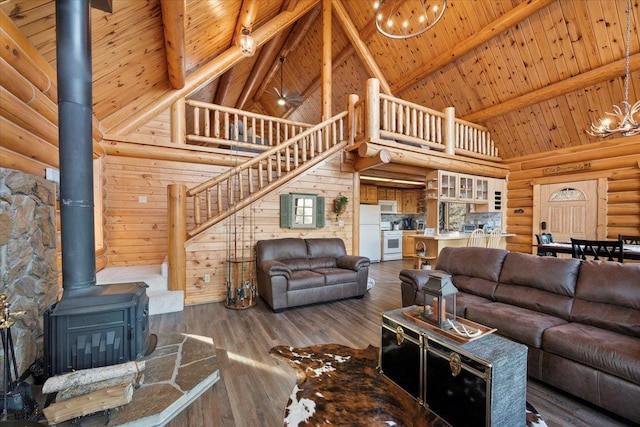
point(405, 19)
point(340, 205)
point(421, 248)
point(626, 122)
point(441, 293)
point(246, 43)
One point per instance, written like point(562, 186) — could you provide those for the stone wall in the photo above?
point(28, 269)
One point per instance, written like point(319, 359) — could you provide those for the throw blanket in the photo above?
point(338, 385)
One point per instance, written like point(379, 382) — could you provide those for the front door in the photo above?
point(569, 209)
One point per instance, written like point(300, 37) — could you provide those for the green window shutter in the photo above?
point(319, 212)
point(286, 209)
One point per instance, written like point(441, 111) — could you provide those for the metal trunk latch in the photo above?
point(399, 335)
point(455, 364)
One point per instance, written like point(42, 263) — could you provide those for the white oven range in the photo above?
point(391, 242)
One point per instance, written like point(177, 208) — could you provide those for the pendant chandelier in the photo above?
point(622, 122)
point(403, 19)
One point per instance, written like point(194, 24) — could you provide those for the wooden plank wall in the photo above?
point(207, 254)
point(618, 160)
point(136, 231)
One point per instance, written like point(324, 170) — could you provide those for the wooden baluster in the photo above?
point(208, 198)
point(196, 209)
point(196, 121)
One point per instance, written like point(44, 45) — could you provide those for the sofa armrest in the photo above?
point(352, 262)
point(415, 278)
point(275, 268)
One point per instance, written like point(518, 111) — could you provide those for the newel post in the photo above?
point(372, 110)
point(177, 223)
point(450, 130)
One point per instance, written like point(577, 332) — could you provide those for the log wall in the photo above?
point(616, 160)
point(207, 253)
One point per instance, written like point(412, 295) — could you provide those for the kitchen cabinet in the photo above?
point(466, 185)
point(458, 187)
point(369, 194)
point(447, 182)
point(410, 200)
point(408, 243)
point(481, 189)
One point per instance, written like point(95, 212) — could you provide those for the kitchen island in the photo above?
point(433, 245)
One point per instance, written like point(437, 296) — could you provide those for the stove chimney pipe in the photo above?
point(73, 46)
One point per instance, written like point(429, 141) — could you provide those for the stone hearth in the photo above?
point(181, 368)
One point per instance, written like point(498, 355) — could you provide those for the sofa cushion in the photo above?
point(464, 300)
point(473, 270)
point(281, 249)
point(607, 351)
point(327, 262)
point(520, 324)
point(544, 284)
point(297, 264)
point(325, 248)
point(335, 276)
point(305, 279)
point(608, 296)
point(483, 263)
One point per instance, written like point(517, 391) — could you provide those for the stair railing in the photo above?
point(236, 188)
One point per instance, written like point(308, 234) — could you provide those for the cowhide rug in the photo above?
point(338, 385)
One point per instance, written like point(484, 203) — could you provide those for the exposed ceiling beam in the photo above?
point(246, 18)
point(362, 50)
point(572, 84)
point(298, 33)
point(340, 58)
point(503, 23)
point(265, 60)
point(136, 114)
point(173, 22)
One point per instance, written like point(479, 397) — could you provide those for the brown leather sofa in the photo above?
point(579, 319)
point(293, 272)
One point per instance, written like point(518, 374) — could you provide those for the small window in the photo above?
point(301, 211)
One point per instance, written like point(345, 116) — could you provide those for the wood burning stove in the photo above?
point(104, 326)
point(91, 326)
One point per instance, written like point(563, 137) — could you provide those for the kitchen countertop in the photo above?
point(452, 236)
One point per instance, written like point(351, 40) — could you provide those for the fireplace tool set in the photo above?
point(17, 395)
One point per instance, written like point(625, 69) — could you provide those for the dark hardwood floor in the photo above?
point(254, 387)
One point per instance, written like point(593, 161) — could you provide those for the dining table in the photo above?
point(630, 252)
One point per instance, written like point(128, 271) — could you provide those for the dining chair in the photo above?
point(545, 239)
point(606, 250)
point(477, 238)
point(494, 238)
point(629, 240)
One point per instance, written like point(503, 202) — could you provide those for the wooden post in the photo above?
point(177, 198)
point(326, 60)
point(450, 130)
point(372, 110)
point(352, 120)
point(178, 121)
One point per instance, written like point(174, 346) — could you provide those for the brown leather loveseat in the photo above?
point(293, 272)
point(579, 319)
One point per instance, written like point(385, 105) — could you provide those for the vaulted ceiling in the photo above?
point(537, 73)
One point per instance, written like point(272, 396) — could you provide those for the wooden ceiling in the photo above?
point(535, 72)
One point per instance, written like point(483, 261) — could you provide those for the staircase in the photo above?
point(161, 300)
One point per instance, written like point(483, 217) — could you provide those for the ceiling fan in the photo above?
point(286, 98)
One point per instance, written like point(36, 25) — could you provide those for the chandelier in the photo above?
point(403, 19)
point(624, 121)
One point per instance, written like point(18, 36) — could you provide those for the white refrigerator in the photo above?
point(370, 236)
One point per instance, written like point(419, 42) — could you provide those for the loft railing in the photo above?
point(239, 186)
point(215, 125)
point(380, 117)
